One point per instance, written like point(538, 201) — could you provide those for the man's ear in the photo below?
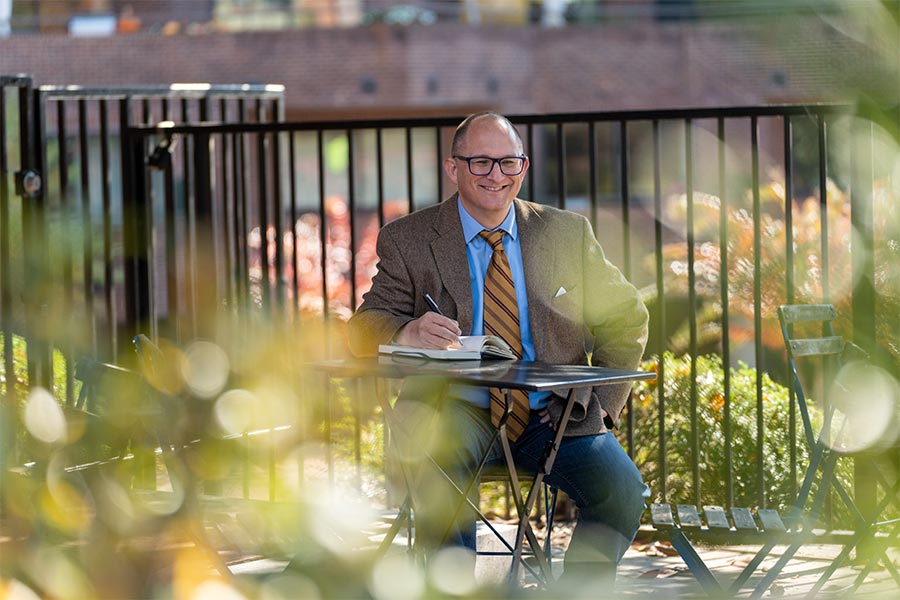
point(450, 169)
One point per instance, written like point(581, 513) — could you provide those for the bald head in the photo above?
point(459, 136)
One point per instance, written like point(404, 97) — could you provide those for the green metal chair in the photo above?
point(847, 390)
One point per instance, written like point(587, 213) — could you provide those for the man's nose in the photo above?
point(495, 172)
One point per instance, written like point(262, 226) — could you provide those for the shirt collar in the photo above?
point(471, 227)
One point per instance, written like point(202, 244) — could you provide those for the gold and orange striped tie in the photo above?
point(501, 318)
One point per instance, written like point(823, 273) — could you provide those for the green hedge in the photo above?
point(777, 437)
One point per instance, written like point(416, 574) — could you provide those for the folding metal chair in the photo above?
point(843, 415)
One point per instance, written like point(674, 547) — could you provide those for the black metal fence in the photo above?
point(718, 215)
point(64, 200)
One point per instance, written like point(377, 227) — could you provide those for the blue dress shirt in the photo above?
point(479, 255)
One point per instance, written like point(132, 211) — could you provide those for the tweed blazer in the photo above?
point(581, 309)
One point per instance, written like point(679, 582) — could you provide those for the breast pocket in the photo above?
point(566, 301)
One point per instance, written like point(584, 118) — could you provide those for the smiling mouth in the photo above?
point(494, 188)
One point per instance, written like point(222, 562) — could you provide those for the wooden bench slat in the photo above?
point(716, 518)
point(743, 519)
point(770, 519)
point(817, 346)
point(661, 515)
point(688, 516)
point(804, 313)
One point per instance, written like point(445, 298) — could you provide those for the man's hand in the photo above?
point(431, 330)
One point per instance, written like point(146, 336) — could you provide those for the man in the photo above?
point(569, 306)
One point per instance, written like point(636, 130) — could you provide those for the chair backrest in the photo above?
point(823, 343)
point(858, 400)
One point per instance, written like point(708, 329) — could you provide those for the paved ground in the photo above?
point(654, 569)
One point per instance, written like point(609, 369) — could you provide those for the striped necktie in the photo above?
point(501, 318)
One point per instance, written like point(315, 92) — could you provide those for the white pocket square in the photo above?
point(561, 291)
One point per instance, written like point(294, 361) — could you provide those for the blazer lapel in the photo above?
point(538, 261)
point(449, 252)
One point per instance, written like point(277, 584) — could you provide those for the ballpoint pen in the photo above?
point(432, 304)
point(434, 308)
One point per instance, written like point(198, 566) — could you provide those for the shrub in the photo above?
point(777, 436)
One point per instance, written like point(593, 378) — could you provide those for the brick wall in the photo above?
point(453, 68)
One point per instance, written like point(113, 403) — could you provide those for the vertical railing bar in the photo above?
point(789, 287)
point(823, 204)
point(136, 228)
point(29, 237)
point(379, 173)
point(190, 272)
point(216, 218)
point(174, 327)
point(439, 163)
point(87, 225)
point(626, 250)
point(863, 294)
point(292, 173)
point(757, 314)
point(529, 135)
point(592, 172)
point(561, 166)
point(262, 210)
point(236, 273)
point(224, 208)
point(660, 301)
point(151, 240)
point(42, 342)
point(68, 264)
point(171, 325)
point(9, 404)
point(275, 140)
point(351, 210)
point(242, 215)
point(111, 317)
point(411, 203)
point(723, 290)
point(692, 307)
point(323, 222)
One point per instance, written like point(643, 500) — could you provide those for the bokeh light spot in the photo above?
point(16, 590)
point(235, 411)
point(43, 417)
point(396, 577)
point(452, 571)
point(867, 400)
point(205, 368)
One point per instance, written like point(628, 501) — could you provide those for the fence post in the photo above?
point(30, 187)
point(863, 267)
point(136, 220)
point(136, 215)
point(9, 401)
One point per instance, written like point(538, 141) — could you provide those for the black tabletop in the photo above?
point(514, 374)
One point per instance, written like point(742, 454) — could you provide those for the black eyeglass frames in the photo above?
point(483, 165)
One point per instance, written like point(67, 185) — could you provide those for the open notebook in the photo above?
point(474, 347)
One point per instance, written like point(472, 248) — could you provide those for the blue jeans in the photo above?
point(593, 470)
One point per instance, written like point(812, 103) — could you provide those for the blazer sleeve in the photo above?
point(389, 303)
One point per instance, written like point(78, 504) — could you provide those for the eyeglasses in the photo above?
point(483, 165)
